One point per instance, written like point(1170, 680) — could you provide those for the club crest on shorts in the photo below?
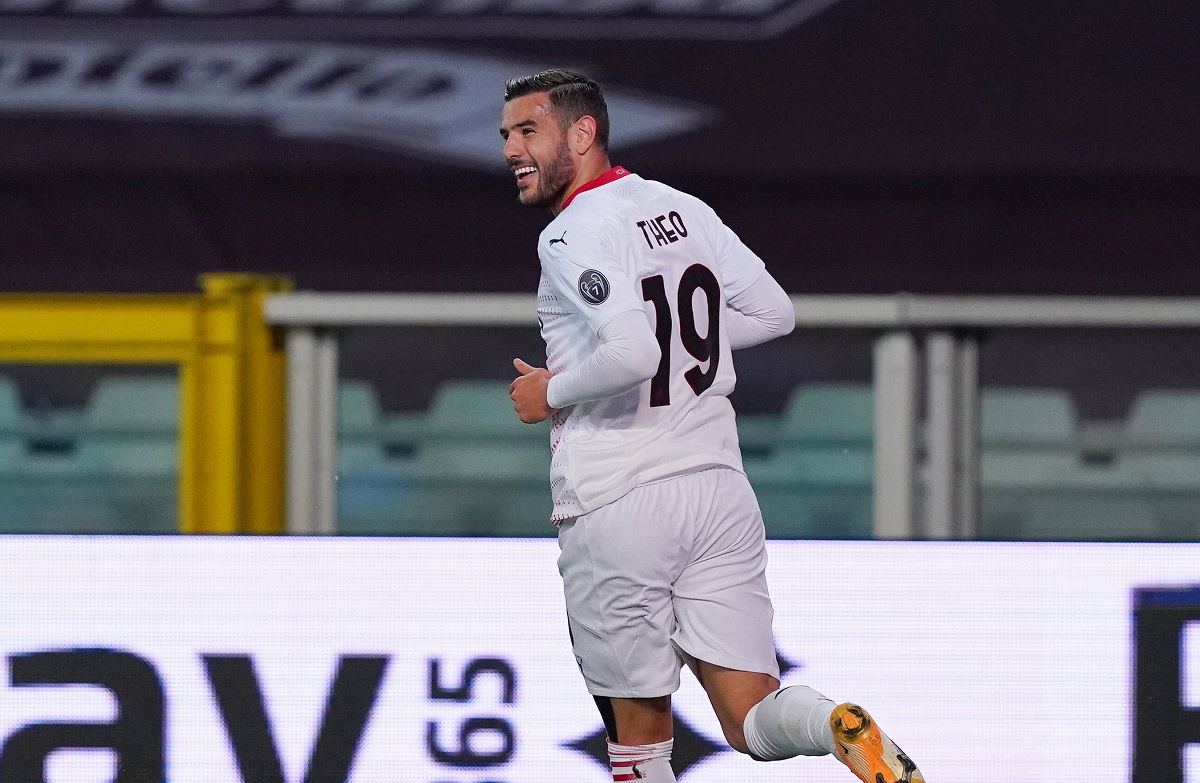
point(593, 287)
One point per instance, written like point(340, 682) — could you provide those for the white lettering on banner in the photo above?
point(435, 104)
point(439, 19)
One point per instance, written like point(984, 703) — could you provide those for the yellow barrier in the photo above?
point(231, 369)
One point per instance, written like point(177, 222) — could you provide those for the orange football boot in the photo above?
point(867, 751)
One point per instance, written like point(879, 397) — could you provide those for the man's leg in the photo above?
point(798, 721)
point(618, 564)
point(639, 738)
point(636, 721)
point(760, 719)
point(724, 613)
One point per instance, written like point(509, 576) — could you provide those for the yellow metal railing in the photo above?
point(231, 367)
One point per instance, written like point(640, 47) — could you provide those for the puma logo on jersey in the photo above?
point(662, 234)
point(560, 239)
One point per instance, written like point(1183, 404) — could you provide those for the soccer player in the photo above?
point(644, 293)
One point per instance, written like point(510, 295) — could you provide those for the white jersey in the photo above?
point(621, 244)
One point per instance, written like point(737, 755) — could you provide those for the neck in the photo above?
point(589, 169)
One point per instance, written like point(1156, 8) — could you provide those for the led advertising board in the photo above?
point(222, 659)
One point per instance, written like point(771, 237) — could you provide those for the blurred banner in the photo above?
point(449, 19)
point(822, 86)
point(214, 660)
point(860, 147)
point(433, 104)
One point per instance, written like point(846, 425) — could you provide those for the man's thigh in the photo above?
point(674, 565)
point(618, 565)
point(721, 603)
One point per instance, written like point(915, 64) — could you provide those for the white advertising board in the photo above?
point(447, 660)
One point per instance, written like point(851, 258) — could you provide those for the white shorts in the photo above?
point(674, 567)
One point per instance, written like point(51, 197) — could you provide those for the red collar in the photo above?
point(612, 175)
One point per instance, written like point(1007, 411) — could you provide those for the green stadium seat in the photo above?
point(360, 427)
point(128, 454)
point(478, 411)
point(476, 470)
point(20, 504)
point(402, 432)
point(1160, 447)
point(1030, 461)
point(1041, 421)
point(120, 475)
point(1016, 484)
point(794, 506)
point(372, 484)
point(758, 433)
point(830, 414)
point(1163, 419)
point(819, 480)
point(12, 426)
point(482, 489)
point(131, 427)
point(828, 433)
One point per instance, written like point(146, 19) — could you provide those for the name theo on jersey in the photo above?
point(656, 229)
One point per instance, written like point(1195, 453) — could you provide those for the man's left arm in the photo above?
point(584, 273)
point(627, 356)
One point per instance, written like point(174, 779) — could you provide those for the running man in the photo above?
point(644, 293)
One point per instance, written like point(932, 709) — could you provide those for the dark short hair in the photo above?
point(572, 95)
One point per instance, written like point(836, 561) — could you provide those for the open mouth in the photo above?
point(524, 174)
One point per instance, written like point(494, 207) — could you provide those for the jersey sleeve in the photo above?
point(762, 312)
point(585, 267)
point(628, 354)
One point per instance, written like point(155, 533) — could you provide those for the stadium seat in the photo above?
point(128, 454)
point(1030, 456)
point(482, 489)
point(829, 433)
point(119, 477)
point(359, 426)
point(1040, 421)
point(402, 432)
point(1019, 486)
point(131, 426)
point(818, 481)
point(797, 507)
point(758, 433)
point(1164, 419)
point(830, 414)
point(12, 426)
point(19, 505)
point(478, 410)
point(1160, 447)
point(477, 470)
point(1036, 485)
point(372, 485)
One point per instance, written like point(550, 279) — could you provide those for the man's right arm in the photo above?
point(759, 313)
point(757, 308)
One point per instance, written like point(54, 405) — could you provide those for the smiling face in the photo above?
point(536, 151)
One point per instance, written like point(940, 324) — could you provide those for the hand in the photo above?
point(528, 393)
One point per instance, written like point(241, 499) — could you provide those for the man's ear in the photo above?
point(582, 135)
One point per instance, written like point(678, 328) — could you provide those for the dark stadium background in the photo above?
point(938, 147)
